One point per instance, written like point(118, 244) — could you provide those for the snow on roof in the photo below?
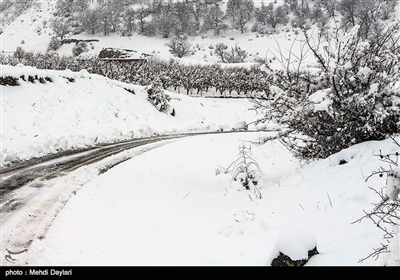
point(121, 54)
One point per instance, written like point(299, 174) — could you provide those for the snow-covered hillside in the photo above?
point(168, 203)
point(37, 33)
point(35, 24)
point(77, 110)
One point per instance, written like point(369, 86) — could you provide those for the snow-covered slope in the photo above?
point(167, 207)
point(76, 110)
point(35, 23)
point(30, 30)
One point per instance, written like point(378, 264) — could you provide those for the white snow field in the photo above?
point(167, 206)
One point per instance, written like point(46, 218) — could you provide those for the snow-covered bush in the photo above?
point(54, 44)
point(386, 213)
point(350, 96)
point(235, 55)
point(60, 27)
point(244, 170)
point(179, 47)
point(8, 81)
point(156, 95)
point(19, 53)
point(79, 48)
point(220, 50)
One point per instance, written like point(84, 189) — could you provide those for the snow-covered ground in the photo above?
point(167, 205)
point(39, 119)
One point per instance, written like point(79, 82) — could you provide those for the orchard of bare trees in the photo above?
point(186, 79)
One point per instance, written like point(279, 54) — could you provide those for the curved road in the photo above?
point(48, 167)
point(30, 199)
point(20, 174)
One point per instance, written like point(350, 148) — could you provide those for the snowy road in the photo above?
point(166, 206)
point(35, 185)
point(42, 169)
point(33, 192)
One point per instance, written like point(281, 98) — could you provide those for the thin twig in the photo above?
point(244, 214)
point(187, 194)
point(329, 199)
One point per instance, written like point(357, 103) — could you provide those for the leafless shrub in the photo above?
point(245, 170)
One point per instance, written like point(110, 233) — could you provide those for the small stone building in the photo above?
point(122, 55)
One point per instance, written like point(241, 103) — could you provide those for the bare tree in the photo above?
point(215, 20)
point(164, 20)
point(60, 27)
point(348, 10)
point(104, 19)
point(91, 21)
point(366, 13)
point(128, 20)
point(240, 12)
point(300, 8)
point(329, 6)
point(235, 55)
point(80, 5)
point(141, 14)
point(317, 13)
point(220, 50)
point(179, 47)
point(184, 13)
point(63, 7)
point(114, 11)
point(276, 16)
point(199, 10)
